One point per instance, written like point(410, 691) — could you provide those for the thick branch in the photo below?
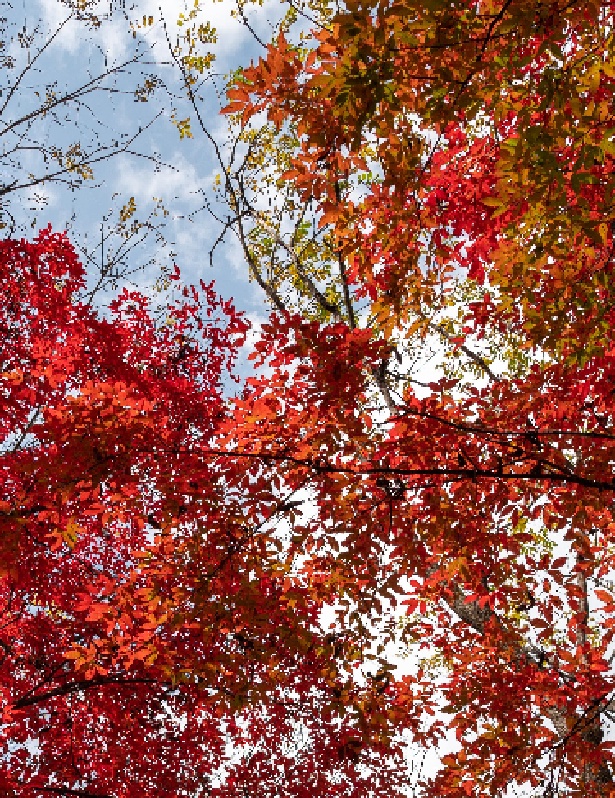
point(30, 699)
point(79, 793)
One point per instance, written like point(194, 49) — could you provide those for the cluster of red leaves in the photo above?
point(149, 642)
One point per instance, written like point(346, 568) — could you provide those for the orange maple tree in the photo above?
point(456, 160)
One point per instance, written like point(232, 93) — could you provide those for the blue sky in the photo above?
point(157, 163)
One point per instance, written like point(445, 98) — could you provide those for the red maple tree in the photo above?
point(149, 642)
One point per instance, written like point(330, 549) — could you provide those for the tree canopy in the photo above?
point(203, 588)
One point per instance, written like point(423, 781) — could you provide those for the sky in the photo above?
point(48, 54)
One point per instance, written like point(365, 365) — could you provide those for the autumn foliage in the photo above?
point(173, 553)
point(459, 158)
point(147, 638)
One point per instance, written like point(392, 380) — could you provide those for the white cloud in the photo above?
point(112, 40)
point(141, 182)
point(233, 35)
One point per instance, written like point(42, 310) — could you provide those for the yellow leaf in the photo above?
point(128, 210)
point(70, 533)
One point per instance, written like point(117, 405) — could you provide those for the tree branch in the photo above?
point(30, 699)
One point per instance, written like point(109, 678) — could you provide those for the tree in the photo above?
point(150, 639)
point(440, 177)
point(456, 160)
